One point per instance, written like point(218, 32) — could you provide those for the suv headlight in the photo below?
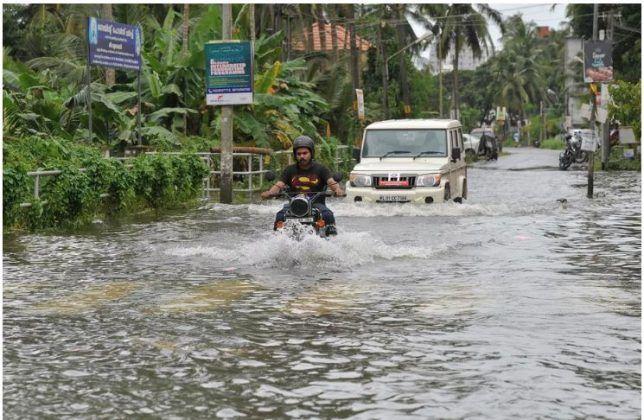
point(358, 180)
point(428, 180)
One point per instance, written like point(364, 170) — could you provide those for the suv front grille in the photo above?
point(384, 183)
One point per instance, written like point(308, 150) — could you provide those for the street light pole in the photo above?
point(385, 73)
point(386, 61)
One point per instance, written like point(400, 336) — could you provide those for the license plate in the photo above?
point(385, 183)
point(393, 199)
point(302, 219)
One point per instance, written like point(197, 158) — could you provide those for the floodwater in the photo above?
point(510, 305)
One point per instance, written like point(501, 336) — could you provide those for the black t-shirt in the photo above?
point(310, 180)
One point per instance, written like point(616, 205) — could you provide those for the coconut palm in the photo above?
point(518, 70)
point(460, 25)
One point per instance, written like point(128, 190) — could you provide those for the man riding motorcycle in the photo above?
point(305, 177)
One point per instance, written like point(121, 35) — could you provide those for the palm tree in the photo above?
point(460, 25)
point(518, 69)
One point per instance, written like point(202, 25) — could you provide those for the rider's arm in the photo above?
point(335, 187)
point(274, 190)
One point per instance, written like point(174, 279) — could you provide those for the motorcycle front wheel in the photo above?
point(582, 157)
point(565, 161)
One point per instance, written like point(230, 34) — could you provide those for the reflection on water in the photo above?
point(508, 304)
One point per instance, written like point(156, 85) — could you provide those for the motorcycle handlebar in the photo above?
point(286, 193)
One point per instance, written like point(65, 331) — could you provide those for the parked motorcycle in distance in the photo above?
point(488, 147)
point(572, 153)
point(566, 157)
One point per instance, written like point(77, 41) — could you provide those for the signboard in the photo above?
point(229, 73)
point(585, 111)
point(627, 135)
point(589, 143)
point(605, 96)
point(598, 61)
point(501, 113)
point(113, 44)
point(602, 115)
point(360, 100)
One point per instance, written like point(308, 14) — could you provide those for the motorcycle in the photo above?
point(488, 147)
point(572, 153)
point(301, 217)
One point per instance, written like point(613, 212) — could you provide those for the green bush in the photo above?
point(327, 151)
point(71, 195)
point(15, 189)
point(554, 143)
point(626, 104)
point(74, 196)
point(617, 162)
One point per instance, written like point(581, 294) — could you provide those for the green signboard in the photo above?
point(229, 73)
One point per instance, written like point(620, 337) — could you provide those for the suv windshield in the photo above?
point(404, 143)
point(478, 134)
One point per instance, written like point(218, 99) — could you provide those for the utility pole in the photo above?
point(591, 155)
point(226, 176)
point(542, 134)
point(251, 19)
point(606, 124)
point(110, 73)
point(385, 73)
point(440, 77)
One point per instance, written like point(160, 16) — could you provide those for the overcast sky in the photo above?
point(540, 13)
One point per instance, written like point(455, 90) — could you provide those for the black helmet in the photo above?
point(304, 141)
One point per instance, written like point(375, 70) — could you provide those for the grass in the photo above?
point(553, 143)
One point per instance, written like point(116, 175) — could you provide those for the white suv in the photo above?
point(417, 161)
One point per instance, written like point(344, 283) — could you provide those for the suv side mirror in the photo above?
point(337, 177)
point(355, 153)
point(456, 154)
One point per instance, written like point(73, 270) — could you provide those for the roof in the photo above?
point(543, 31)
point(343, 43)
point(414, 124)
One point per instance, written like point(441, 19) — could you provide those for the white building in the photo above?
point(466, 60)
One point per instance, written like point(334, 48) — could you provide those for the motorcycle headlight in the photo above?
point(358, 180)
point(299, 207)
point(428, 180)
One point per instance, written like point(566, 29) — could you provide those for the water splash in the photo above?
point(279, 250)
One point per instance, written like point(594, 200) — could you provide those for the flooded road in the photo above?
point(512, 304)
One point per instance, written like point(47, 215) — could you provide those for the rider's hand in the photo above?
point(266, 195)
point(340, 193)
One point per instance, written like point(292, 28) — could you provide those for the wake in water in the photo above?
point(279, 250)
point(343, 209)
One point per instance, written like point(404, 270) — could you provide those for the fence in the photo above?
point(212, 163)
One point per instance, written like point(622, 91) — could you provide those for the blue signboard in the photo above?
point(229, 73)
point(113, 44)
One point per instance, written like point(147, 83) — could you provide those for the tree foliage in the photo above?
point(625, 106)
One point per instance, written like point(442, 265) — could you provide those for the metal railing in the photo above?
point(53, 172)
point(207, 157)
